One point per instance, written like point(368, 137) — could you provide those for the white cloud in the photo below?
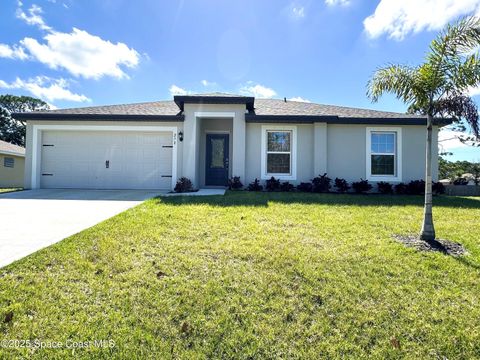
point(33, 17)
point(299, 99)
point(337, 2)
point(474, 91)
point(257, 90)
point(448, 140)
point(83, 54)
point(176, 90)
point(45, 88)
point(78, 52)
point(298, 12)
point(14, 52)
point(207, 83)
point(399, 18)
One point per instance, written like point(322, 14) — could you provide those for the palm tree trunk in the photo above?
point(428, 230)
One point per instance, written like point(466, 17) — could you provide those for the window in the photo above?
point(9, 162)
point(384, 154)
point(278, 157)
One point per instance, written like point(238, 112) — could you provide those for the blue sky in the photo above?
point(89, 52)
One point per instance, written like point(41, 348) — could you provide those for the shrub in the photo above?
point(286, 186)
point(321, 184)
point(361, 186)
point(460, 181)
point(234, 183)
point(183, 185)
point(385, 187)
point(341, 185)
point(304, 187)
point(255, 186)
point(438, 188)
point(400, 189)
point(416, 187)
point(272, 184)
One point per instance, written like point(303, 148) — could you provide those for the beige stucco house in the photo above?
point(209, 138)
point(12, 165)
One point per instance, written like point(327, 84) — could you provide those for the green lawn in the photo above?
point(254, 275)
point(6, 190)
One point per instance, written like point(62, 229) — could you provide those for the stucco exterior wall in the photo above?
point(12, 177)
point(338, 150)
point(347, 152)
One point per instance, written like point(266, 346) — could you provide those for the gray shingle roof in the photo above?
point(280, 107)
point(262, 107)
point(146, 108)
point(7, 148)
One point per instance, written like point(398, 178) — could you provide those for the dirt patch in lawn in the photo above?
point(444, 246)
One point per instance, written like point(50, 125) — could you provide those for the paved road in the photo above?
point(33, 219)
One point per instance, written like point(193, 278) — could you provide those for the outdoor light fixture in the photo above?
point(180, 136)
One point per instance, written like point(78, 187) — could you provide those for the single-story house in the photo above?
point(12, 165)
point(209, 138)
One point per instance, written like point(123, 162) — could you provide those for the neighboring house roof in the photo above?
point(259, 110)
point(10, 149)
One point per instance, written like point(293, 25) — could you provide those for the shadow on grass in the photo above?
point(261, 199)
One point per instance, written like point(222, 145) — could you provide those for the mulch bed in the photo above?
point(444, 246)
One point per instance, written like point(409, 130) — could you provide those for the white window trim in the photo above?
point(293, 150)
point(398, 154)
point(38, 129)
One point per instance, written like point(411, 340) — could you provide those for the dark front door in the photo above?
point(216, 170)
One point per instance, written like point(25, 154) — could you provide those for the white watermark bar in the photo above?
point(48, 344)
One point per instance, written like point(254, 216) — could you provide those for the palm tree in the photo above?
point(438, 88)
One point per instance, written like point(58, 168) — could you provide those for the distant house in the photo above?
point(209, 138)
point(12, 165)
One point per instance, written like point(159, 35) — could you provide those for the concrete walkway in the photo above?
point(31, 220)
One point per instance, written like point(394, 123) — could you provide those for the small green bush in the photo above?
point(255, 186)
point(361, 187)
point(234, 183)
point(416, 187)
point(304, 187)
point(341, 185)
point(321, 184)
point(400, 189)
point(272, 184)
point(286, 186)
point(183, 185)
point(384, 187)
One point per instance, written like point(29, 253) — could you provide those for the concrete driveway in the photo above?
point(31, 220)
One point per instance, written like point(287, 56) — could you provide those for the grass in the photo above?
point(6, 190)
point(253, 275)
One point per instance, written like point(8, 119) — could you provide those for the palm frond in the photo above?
point(399, 80)
point(460, 107)
point(457, 40)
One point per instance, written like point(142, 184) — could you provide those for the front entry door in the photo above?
point(216, 171)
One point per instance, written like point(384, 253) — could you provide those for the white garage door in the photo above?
point(106, 160)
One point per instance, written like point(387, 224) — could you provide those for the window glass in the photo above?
point(8, 162)
point(383, 165)
point(278, 141)
point(383, 153)
point(279, 152)
point(218, 148)
point(278, 163)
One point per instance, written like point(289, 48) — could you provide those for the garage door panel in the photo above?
point(78, 160)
